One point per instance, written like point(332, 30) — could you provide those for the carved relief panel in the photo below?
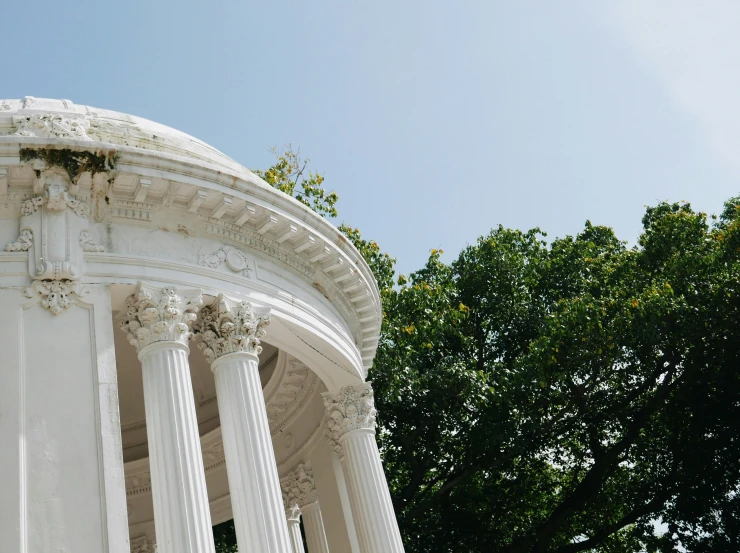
point(54, 232)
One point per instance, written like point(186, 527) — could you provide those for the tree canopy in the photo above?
point(572, 396)
point(565, 396)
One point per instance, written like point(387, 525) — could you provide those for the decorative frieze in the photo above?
point(51, 125)
point(230, 326)
point(263, 244)
point(353, 408)
point(139, 483)
point(159, 316)
point(235, 260)
point(88, 244)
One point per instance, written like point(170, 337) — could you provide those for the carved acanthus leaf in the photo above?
point(230, 326)
point(353, 408)
point(55, 295)
point(298, 487)
point(159, 316)
point(22, 244)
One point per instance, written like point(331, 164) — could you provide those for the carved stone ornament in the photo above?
point(55, 295)
point(52, 226)
point(235, 260)
point(333, 444)
point(298, 487)
point(88, 244)
point(159, 315)
point(51, 125)
point(143, 545)
point(353, 408)
point(292, 511)
point(25, 240)
point(230, 326)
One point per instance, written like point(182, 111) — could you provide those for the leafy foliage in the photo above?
point(381, 264)
point(289, 175)
point(561, 397)
point(564, 397)
point(224, 536)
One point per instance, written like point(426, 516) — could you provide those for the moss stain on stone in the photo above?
point(74, 162)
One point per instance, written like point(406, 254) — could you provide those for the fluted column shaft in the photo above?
point(313, 526)
point(256, 500)
point(181, 512)
point(158, 323)
point(294, 530)
point(351, 433)
point(372, 508)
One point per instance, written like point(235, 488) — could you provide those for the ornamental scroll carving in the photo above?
point(159, 315)
point(353, 408)
point(54, 232)
point(235, 260)
point(299, 488)
point(230, 326)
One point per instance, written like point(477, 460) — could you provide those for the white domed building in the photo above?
point(181, 345)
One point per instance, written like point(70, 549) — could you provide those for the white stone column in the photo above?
point(313, 526)
point(158, 324)
point(231, 332)
point(293, 517)
point(351, 432)
point(300, 498)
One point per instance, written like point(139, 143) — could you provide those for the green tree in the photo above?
point(290, 175)
point(563, 397)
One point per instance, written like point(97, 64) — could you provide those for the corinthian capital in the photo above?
point(159, 315)
point(353, 408)
point(298, 488)
point(230, 326)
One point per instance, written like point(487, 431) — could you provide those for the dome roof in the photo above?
point(51, 118)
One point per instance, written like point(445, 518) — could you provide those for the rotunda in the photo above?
point(181, 345)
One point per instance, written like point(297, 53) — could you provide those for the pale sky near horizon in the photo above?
point(434, 121)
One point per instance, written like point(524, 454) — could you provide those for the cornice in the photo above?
point(234, 208)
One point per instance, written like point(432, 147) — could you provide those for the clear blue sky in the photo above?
point(433, 120)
